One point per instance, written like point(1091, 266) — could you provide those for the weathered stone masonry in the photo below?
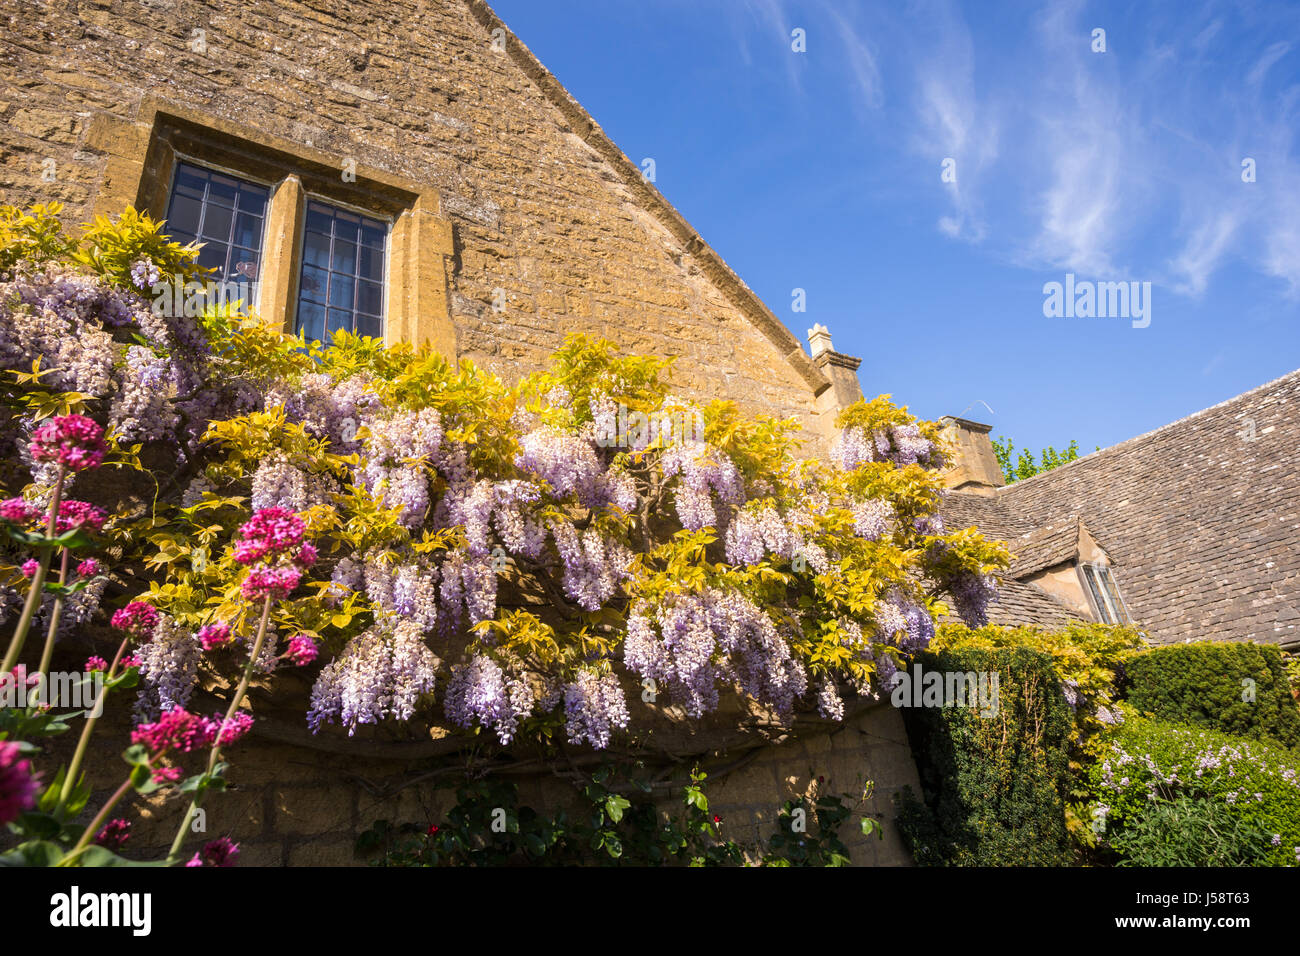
point(535, 200)
point(494, 179)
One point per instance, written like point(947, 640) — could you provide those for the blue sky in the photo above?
point(822, 170)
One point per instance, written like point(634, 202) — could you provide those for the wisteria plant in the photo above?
point(432, 543)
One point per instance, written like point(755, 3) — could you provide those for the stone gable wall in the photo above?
point(543, 206)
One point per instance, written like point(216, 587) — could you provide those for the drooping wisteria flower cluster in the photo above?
point(169, 667)
point(705, 473)
point(693, 642)
point(902, 445)
point(753, 534)
point(382, 673)
point(480, 691)
point(594, 706)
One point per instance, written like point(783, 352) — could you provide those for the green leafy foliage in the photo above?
point(615, 821)
point(1186, 788)
point(1025, 464)
point(993, 788)
point(1239, 688)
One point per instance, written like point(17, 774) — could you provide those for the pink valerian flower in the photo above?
point(212, 636)
point(177, 729)
point(167, 774)
point(30, 567)
point(74, 441)
point(18, 785)
point(129, 661)
point(270, 582)
point(88, 568)
point(94, 664)
point(18, 511)
point(114, 834)
point(236, 727)
point(79, 514)
point(302, 650)
point(136, 618)
point(270, 531)
point(219, 852)
point(306, 556)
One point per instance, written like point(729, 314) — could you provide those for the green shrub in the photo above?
point(1249, 789)
point(992, 787)
point(1189, 831)
point(1206, 685)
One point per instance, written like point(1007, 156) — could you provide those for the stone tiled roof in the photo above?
point(1021, 603)
point(1201, 518)
point(1044, 547)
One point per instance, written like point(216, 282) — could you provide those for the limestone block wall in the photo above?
point(545, 211)
point(290, 805)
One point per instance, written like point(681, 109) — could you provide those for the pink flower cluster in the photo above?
point(270, 582)
point(74, 441)
point(179, 730)
point(136, 618)
point(96, 663)
point(219, 852)
point(302, 650)
point(114, 834)
point(270, 531)
point(18, 785)
point(212, 636)
point(88, 568)
point(18, 511)
point(79, 514)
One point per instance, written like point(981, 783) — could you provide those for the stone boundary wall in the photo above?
point(289, 805)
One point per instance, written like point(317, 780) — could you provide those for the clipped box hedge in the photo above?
point(993, 787)
point(1237, 688)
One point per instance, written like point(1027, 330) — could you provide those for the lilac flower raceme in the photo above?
point(702, 473)
point(594, 566)
point(169, 666)
point(480, 691)
point(705, 638)
point(871, 518)
point(971, 594)
point(382, 673)
point(594, 706)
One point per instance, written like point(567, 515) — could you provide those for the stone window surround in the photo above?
point(142, 155)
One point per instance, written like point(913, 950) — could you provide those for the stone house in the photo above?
point(410, 169)
point(1190, 532)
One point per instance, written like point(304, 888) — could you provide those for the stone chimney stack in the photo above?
point(841, 369)
point(972, 464)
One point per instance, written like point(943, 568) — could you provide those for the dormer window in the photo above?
point(1103, 594)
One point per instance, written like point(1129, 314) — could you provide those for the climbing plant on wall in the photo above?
point(541, 560)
